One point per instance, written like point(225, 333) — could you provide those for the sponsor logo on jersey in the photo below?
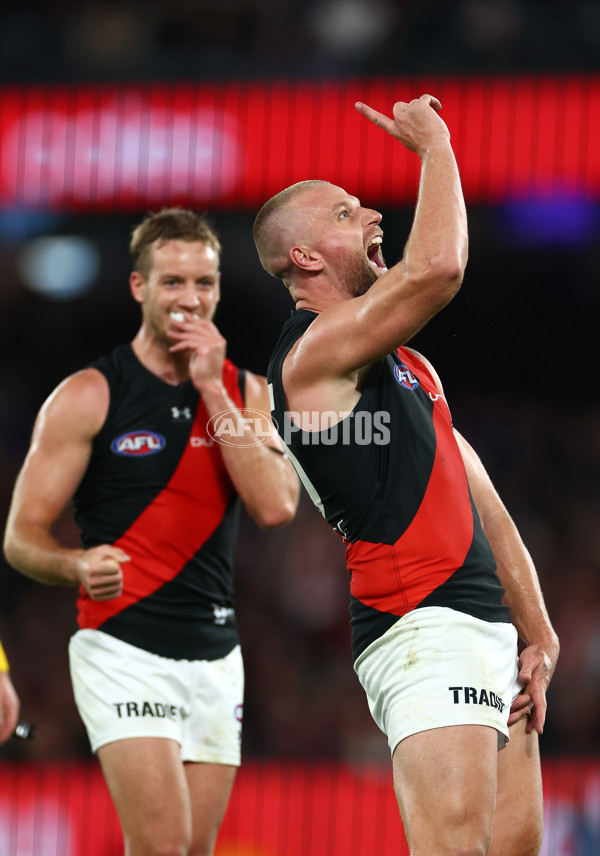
point(182, 414)
point(222, 614)
point(158, 709)
point(405, 377)
point(200, 442)
point(474, 695)
point(138, 443)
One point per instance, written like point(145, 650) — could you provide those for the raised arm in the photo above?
point(355, 333)
point(55, 464)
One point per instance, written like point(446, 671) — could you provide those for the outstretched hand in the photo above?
point(415, 123)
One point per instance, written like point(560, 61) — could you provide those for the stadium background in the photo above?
point(218, 105)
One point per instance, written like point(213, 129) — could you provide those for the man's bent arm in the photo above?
point(261, 474)
point(355, 333)
point(55, 464)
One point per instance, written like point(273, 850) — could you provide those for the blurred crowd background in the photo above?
point(516, 350)
point(166, 39)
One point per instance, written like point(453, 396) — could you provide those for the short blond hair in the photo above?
point(169, 224)
point(262, 234)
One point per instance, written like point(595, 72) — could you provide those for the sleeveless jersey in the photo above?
point(156, 486)
point(390, 479)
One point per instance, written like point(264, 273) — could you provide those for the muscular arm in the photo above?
point(55, 464)
point(263, 477)
point(523, 594)
point(354, 333)
point(265, 480)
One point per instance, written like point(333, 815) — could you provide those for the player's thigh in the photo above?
point(209, 787)
point(445, 783)
point(148, 785)
point(519, 820)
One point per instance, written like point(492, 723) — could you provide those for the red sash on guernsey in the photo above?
point(176, 524)
point(395, 578)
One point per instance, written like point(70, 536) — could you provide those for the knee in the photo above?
point(464, 836)
point(526, 843)
point(171, 848)
point(474, 849)
point(449, 848)
point(159, 846)
point(523, 837)
point(203, 846)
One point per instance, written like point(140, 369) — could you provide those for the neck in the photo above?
point(155, 356)
point(318, 294)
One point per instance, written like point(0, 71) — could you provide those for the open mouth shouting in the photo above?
point(375, 255)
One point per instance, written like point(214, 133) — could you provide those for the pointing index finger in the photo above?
point(373, 115)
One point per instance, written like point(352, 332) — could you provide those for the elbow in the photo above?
point(11, 553)
point(443, 277)
point(450, 273)
point(276, 516)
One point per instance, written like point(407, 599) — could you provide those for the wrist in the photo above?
point(214, 395)
point(440, 143)
point(75, 566)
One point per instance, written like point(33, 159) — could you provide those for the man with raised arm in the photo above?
point(441, 583)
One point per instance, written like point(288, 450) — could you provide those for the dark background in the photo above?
point(516, 350)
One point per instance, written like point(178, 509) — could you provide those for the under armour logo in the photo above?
point(181, 413)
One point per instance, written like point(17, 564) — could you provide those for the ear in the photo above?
point(304, 258)
point(136, 284)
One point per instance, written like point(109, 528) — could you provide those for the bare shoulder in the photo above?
point(80, 402)
point(429, 366)
point(421, 357)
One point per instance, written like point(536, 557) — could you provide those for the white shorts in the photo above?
point(123, 691)
point(437, 667)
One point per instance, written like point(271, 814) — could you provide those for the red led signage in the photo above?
point(234, 145)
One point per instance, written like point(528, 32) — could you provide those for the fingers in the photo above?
point(200, 336)
point(432, 101)
point(521, 707)
point(105, 583)
point(534, 675)
point(383, 121)
point(538, 712)
point(119, 555)
point(374, 116)
point(523, 700)
point(100, 571)
point(525, 673)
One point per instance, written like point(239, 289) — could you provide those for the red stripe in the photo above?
point(395, 578)
point(174, 527)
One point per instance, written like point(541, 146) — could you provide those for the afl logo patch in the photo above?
point(138, 443)
point(405, 377)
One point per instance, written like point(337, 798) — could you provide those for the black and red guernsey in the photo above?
point(157, 487)
point(390, 479)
